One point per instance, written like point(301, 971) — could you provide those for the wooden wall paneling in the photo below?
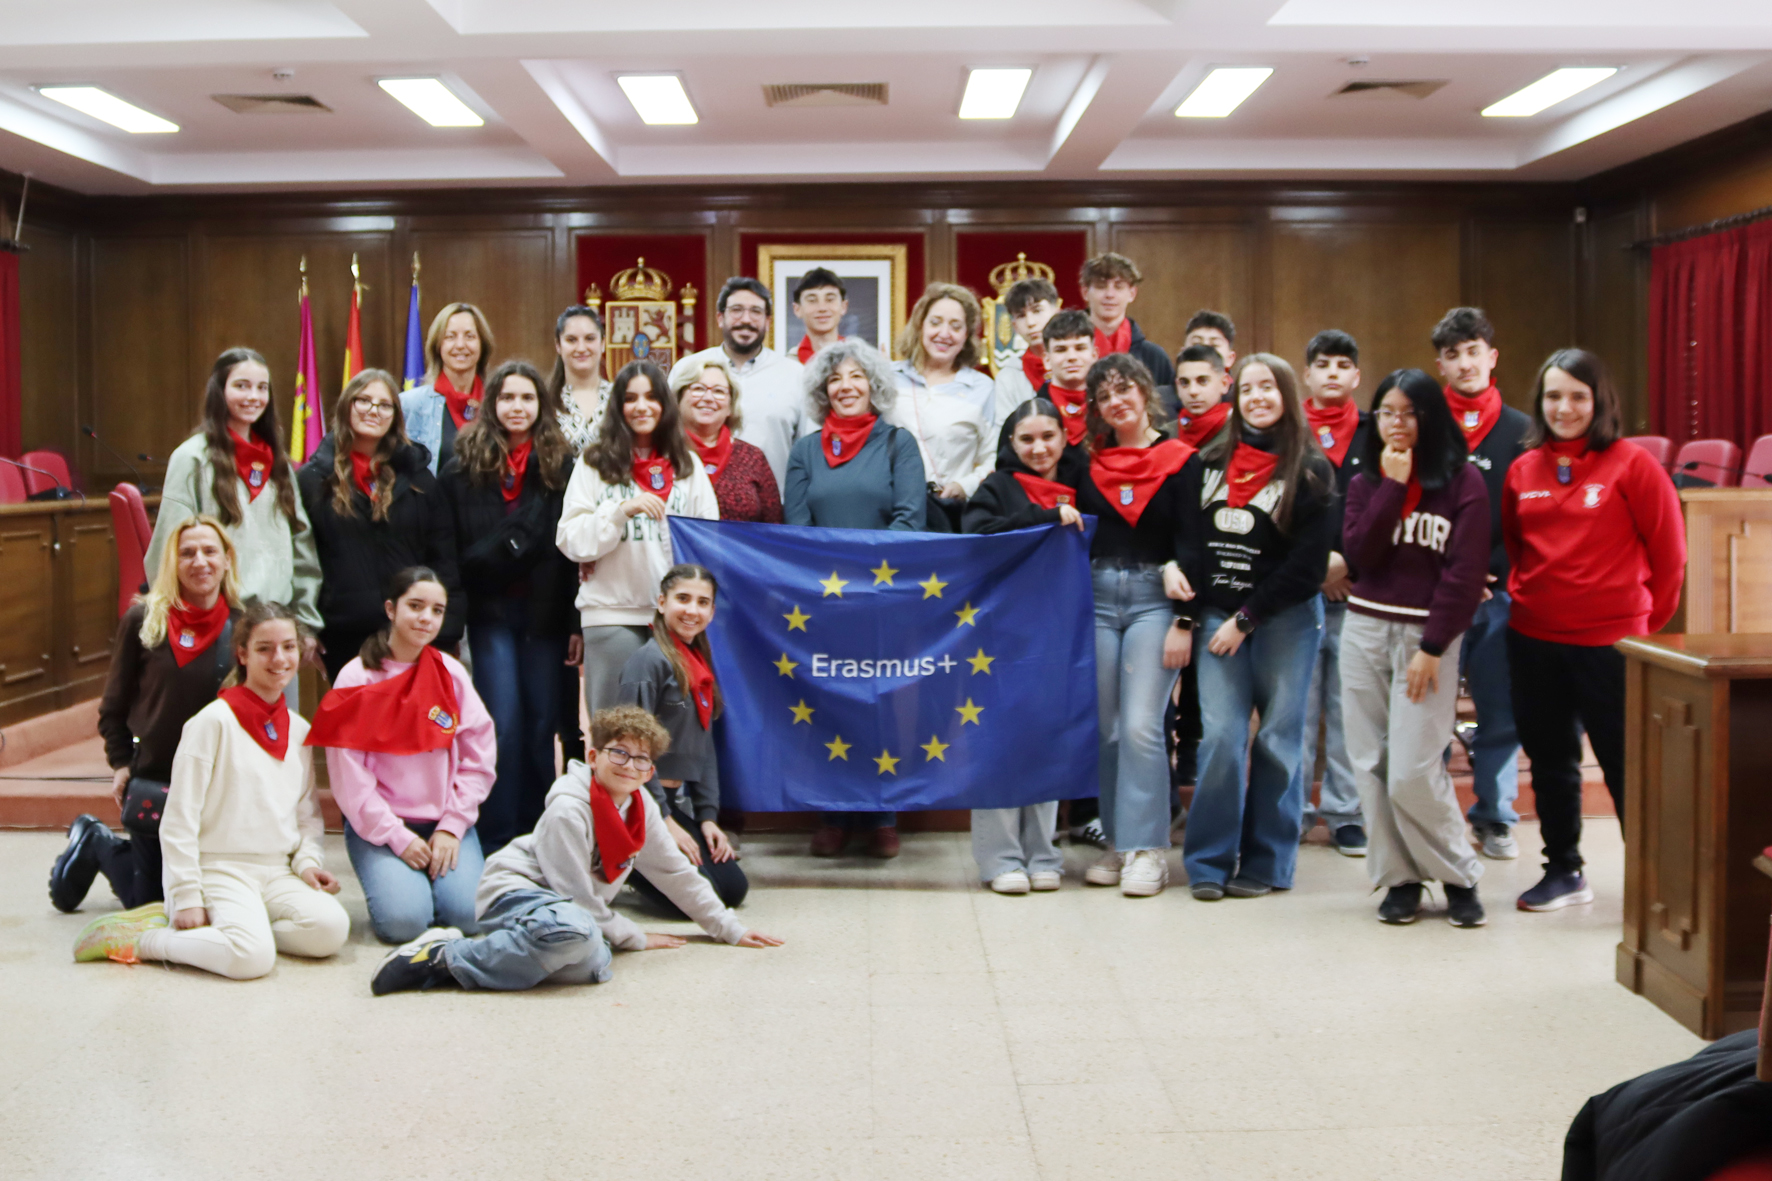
point(1386, 283)
point(1614, 322)
point(89, 607)
point(1186, 267)
point(508, 274)
point(139, 290)
point(27, 609)
point(49, 338)
point(1523, 275)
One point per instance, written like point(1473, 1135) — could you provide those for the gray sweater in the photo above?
point(883, 487)
point(649, 682)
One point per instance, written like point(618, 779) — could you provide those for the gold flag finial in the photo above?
point(304, 276)
point(415, 266)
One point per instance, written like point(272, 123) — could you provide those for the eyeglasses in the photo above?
point(1107, 393)
point(699, 388)
point(622, 758)
point(1386, 414)
point(734, 312)
point(370, 406)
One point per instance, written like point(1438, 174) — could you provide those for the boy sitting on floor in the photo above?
point(544, 898)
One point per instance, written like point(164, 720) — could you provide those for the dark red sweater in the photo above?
point(1599, 558)
point(745, 487)
point(1429, 569)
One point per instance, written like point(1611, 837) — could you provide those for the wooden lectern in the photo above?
point(1728, 561)
point(1698, 811)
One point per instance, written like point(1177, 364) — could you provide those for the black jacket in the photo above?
point(1154, 358)
point(358, 555)
point(1504, 443)
point(508, 557)
point(1000, 505)
point(1352, 464)
point(1247, 562)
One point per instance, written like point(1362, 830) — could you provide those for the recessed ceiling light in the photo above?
point(658, 98)
point(1222, 91)
point(431, 101)
point(993, 94)
point(107, 107)
point(1548, 91)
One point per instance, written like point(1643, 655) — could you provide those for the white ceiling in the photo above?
point(1107, 77)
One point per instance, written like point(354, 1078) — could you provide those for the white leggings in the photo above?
point(255, 911)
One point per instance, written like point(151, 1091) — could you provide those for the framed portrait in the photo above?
point(874, 285)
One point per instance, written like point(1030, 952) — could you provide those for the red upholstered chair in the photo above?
point(129, 522)
point(12, 485)
point(1659, 446)
point(1707, 463)
point(1757, 471)
point(52, 462)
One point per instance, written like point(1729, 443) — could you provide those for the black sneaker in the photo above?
point(417, 966)
point(75, 868)
point(1462, 907)
point(1401, 905)
point(1241, 887)
point(1349, 840)
point(1557, 889)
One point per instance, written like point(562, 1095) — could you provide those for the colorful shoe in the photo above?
point(416, 966)
point(114, 936)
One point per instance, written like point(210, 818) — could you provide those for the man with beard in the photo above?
point(774, 405)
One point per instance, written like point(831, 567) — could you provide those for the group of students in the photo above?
point(1333, 556)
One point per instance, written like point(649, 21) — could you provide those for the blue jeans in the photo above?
point(1339, 801)
point(532, 936)
point(403, 901)
point(1495, 755)
point(1131, 616)
point(1249, 803)
point(518, 677)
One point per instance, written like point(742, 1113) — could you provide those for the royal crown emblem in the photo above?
point(1006, 347)
point(442, 719)
point(642, 320)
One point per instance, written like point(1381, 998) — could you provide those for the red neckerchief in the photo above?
point(190, 632)
point(462, 405)
point(714, 458)
point(266, 722)
point(1033, 367)
point(843, 438)
point(1045, 493)
point(1411, 496)
point(1119, 342)
point(1072, 409)
point(806, 352)
point(1573, 457)
point(407, 714)
point(252, 459)
point(617, 840)
point(363, 473)
point(1247, 473)
point(1334, 427)
point(701, 681)
point(655, 475)
point(1475, 416)
point(516, 467)
point(1197, 428)
point(1130, 476)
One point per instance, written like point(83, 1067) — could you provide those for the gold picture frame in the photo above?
point(885, 265)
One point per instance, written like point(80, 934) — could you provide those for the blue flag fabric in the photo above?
point(869, 670)
point(415, 342)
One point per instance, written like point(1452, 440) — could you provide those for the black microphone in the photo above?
point(93, 435)
point(60, 492)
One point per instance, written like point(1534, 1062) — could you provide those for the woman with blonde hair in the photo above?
point(707, 391)
point(457, 350)
point(172, 651)
point(946, 403)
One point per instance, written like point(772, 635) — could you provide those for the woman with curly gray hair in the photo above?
point(858, 472)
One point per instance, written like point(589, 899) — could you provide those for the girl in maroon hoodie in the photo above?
point(1416, 537)
point(1596, 551)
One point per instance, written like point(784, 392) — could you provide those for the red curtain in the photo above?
point(1710, 336)
point(11, 376)
point(977, 252)
point(684, 257)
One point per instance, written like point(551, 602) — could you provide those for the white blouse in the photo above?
point(581, 429)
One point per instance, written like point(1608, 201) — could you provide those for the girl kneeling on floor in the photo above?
point(411, 755)
point(672, 678)
point(240, 839)
point(544, 898)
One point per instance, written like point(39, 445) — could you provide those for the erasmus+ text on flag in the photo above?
point(868, 670)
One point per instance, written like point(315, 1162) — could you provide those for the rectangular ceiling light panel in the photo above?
point(994, 94)
point(1548, 91)
point(1222, 91)
point(108, 108)
point(432, 101)
point(659, 99)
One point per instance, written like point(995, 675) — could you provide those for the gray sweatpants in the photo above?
point(1015, 838)
point(1414, 826)
point(606, 653)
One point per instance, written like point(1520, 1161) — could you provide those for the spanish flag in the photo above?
point(307, 425)
point(354, 329)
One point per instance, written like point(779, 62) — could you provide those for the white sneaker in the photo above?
point(1042, 880)
point(1105, 872)
point(1012, 882)
point(1146, 873)
point(1498, 842)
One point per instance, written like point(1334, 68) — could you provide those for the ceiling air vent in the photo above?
point(272, 104)
point(1388, 90)
point(825, 94)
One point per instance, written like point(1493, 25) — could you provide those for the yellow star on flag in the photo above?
point(935, 748)
point(833, 585)
point(980, 663)
point(802, 713)
point(838, 748)
point(968, 712)
point(786, 667)
point(883, 573)
point(932, 587)
point(967, 614)
point(797, 618)
point(887, 763)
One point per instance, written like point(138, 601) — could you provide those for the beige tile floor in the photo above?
point(915, 1026)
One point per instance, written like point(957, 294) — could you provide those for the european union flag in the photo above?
point(867, 670)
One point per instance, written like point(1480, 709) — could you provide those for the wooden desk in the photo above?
point(58, 604)
point(1728, 561)
point(1698, 811)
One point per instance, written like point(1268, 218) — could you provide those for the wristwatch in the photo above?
point(1245, 621)
point(1184, 623)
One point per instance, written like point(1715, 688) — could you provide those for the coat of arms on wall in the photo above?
point(642, 321)
point(1005, 347)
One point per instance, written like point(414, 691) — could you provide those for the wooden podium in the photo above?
point(1728, 561)
point(1698, 811)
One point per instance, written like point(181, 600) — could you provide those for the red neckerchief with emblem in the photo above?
point(842, 439)
point(267, 722)
point(409, 713)
point(1073, 410)
point(1477, 416)
point(1333, 426)
point(655, 475)
point(1196, 429)
point(1129, 476)
point(714, 457)
point(516, 467)
point(463, 404)
point(701, 681)
point(252, 459)
point(1247, 473)
point(190, 632)
point(1045, 493)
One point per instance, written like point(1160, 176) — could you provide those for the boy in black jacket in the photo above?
point(1110, 284)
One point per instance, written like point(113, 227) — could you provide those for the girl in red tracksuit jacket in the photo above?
point(1597, 551)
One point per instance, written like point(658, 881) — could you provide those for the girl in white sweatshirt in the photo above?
point(240, 838)
point(640, 472)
